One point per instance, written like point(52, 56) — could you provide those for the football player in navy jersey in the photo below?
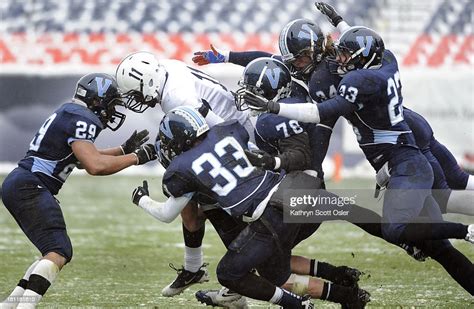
point(369, 96)
point(164, 84)
point(64, 141)
point(303, 49)
point(212, 162)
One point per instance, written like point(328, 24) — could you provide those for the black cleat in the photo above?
point(346, 276)
point(184, 280)
point(363, 297)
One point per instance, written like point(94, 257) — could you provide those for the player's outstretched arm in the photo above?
point(215, 55)
point(165, 212)
point(304, 112)
point(96, 163)
point(130, 145)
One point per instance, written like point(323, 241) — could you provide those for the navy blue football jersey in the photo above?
point(322, 84)
point(219, 168)
point(271, 128)
point(378, 121)
point(50, 154)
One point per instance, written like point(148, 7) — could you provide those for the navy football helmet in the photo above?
point(301, 37)
point(179, 130)
point(358, 48)
point(265, 77)
point(100, 93)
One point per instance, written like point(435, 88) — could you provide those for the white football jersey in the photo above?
point(190, 86)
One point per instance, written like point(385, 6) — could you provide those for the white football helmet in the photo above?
point(141, 78)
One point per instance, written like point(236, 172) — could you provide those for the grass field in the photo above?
point(121, 255)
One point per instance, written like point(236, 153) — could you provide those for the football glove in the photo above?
point(260, 104)
point(330, 12)
point(135, 141)
point(140, 192)
point(145, 153)
point(211, 56)
point(260, 158)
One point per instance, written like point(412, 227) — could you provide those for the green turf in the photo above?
point(121, 255)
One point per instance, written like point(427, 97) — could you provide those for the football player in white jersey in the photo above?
point(167, 83)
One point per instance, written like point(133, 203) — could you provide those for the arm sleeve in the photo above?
point(244, 58)
point(312, 113)
point(295, 153)
point(167, 211)
point(342, 26)
point(304, 112)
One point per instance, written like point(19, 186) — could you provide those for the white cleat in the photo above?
point(222, 298)
point(470, 233)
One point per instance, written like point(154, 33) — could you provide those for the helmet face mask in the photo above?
point(179, 130)
point(266, 77)
point(141, 78)
point(301, 38)
point(99, 92)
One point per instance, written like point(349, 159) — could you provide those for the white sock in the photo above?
point(470, 183)
point(192, 258)
point(461, 202)
point(14, 298)
point(40, 280)
point(276, 296)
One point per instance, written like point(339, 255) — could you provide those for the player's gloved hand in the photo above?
point(260, 158)
point(258, 103)
point(145, 154)
point(140, 192)
point(135, 141)
point(211, 56)
point(330, 13)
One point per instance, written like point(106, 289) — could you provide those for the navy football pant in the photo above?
point(408, 200)
point(37, 212)
point(455, 176)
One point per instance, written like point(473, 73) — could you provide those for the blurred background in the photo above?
point(46, 45)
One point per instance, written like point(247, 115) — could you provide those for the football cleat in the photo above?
point(470, 233)
point(363, 297)
point(346, 276)
point(414, 252)
point(184, 280)
point(222, 298)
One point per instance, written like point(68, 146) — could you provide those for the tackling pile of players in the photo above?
point(233, 168)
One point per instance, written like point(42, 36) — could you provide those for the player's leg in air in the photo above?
point(457, 178)
point(443, 164)
point(194, 270)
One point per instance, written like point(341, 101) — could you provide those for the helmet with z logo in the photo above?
point(265, 77)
